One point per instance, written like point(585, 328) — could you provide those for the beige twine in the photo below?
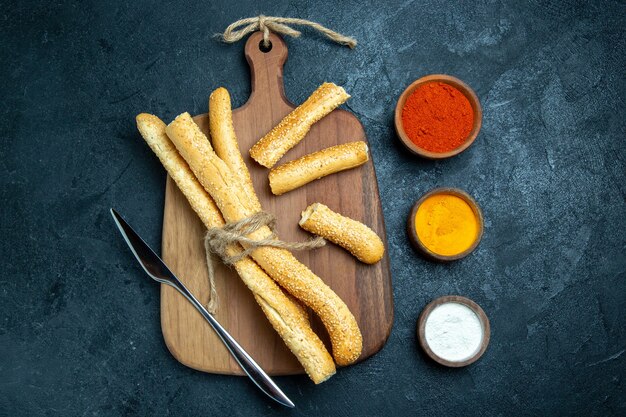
point(218, 239)
point(265, 24)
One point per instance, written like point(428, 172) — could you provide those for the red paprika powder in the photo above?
point(437, 117)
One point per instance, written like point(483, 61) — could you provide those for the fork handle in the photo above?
point(249, 366)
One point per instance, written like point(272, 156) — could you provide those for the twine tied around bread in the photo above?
point(236, 31)
point(218, 239)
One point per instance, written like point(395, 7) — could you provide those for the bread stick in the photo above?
point(279, 264)
point(225, 143)
point(301, 171)
point(288, 318)
point(152, 130)
point(354, 236)
point(294, 127)
point(226, 146)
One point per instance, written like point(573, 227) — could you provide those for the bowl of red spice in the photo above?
point(438, 116)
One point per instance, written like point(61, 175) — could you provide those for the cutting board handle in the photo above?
point(266, 69)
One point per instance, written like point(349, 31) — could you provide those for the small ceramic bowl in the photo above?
point(417, 243)
point(459, 85)
point(482, 317)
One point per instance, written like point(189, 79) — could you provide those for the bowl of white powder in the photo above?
point(453, 330)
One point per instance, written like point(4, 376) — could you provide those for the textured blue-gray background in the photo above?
point(79, 323)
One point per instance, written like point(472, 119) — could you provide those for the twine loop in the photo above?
point(218, 239)
point(237, 30)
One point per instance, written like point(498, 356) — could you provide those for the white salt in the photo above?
point(453, 332)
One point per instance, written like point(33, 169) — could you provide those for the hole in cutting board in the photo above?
point(265, 49)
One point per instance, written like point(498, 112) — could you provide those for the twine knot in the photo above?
point(218, 240)
point(237, 30)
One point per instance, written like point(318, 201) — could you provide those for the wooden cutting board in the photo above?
point(366, 289)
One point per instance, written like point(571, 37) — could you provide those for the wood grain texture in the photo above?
point(366, 289)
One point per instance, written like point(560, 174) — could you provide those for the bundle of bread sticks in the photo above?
point(214, 179)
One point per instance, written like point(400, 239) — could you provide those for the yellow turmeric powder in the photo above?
point(446, 224)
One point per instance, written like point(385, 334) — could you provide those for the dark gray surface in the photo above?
point(79, 323)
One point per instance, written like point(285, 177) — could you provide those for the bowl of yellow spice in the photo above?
point(445, 224)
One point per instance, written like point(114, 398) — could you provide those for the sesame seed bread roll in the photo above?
point(226, 146)
point(288, 318)
point(294, 127)
point(225, 143)
point(152, 129)
point(354, 236)
point(280, 264)
point(316, 165)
